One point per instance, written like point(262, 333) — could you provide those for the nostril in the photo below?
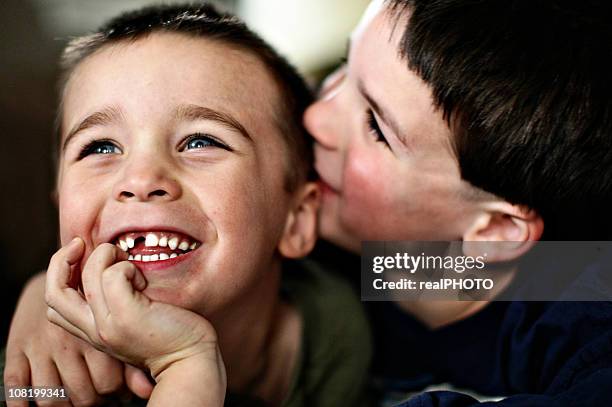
point(127, 194)
point(158, 192)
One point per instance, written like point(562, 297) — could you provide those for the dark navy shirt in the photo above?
point(530, 353)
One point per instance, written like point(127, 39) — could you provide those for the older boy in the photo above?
point(181, 143)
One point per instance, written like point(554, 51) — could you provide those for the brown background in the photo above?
point(27, 74)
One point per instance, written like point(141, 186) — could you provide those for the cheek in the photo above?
point(239, 203)
point(72, 215)
point(79, 206)
point(367, 194)
point(247, 216)
point(382, 201)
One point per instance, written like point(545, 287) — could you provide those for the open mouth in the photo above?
point(155, 246)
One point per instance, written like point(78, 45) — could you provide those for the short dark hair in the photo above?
point(203, 20)
point(526, 88)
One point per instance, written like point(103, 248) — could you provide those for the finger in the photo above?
point(59, 295)
point(76, 379)
point(44, 374)
point(119, 283)
point(105, 371)
point(57, 319)
point(138, 382)
point(139, 282)
point(64, 259)
point(102, 258)
point(16, 374)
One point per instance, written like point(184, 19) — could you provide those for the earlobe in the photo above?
point(300, 233)
point(511, 230)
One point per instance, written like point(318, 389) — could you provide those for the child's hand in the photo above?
point(117, 318)
point(39, 353)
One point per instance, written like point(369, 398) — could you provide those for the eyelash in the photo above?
point(90, 147)
point(210, 139)
point(375, 129)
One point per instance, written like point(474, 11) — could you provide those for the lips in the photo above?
point(156, 245)
point(327, 183)
point(326, 188)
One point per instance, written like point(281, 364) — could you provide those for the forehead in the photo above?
point(153, 74)
point(378, 67)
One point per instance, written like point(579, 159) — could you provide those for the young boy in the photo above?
point(181, 186)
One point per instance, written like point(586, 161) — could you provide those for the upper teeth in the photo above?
point(153, 239)
point(123, 245)
point(173, 243)
point(163, 241)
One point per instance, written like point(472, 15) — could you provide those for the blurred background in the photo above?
point(312, 34)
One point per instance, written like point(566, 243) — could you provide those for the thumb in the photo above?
point(137, 381)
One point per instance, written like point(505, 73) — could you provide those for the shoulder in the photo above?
point(336, 344)
point(329, 307)
point(562, 341)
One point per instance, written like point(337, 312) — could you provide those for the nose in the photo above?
point(319, 120)
point(146, 179)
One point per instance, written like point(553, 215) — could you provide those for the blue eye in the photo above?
point(200, 140)
point(99, 147)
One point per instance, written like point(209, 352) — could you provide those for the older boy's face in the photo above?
point(407, 175)
point(171, 139)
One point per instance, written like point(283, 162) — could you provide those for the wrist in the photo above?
point(195, 358)
point(198, 379)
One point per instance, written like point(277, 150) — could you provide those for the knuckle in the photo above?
point(84, 399)
point(110, 384)
point(115, 334)
point(50, 315)
point(108, 336)
point(98, 257)
point(49, 298)
point(55, 258)
point(13, 379)
point(115, 271)
point(107, 248)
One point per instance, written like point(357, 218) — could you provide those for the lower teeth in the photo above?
point(153, 257)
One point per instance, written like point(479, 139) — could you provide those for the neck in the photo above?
point(258, 336)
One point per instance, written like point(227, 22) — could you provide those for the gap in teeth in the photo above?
point(178, 245)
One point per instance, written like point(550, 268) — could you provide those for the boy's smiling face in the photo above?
point(176, 135)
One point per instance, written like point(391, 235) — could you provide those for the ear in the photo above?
point(511, 229)
point(300, 233)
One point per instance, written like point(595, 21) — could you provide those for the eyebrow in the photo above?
point(110, 115)
point(103, 117)
point(195, 112)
